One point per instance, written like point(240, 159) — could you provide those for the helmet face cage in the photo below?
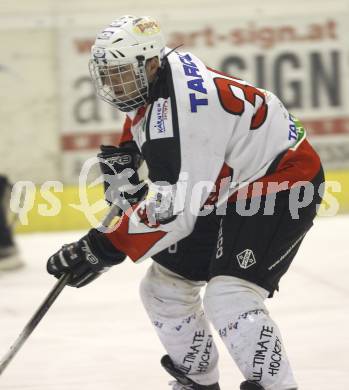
point(124, 86)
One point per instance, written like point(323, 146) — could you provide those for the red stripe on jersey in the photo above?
point(140, 115)
point(226, 172)
point(126, 131)
point(133, 245)
point(298, 165)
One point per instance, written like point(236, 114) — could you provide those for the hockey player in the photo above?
point(9, 256)
point(215, 147)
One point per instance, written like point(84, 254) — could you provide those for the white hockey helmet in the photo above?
point(118, 59)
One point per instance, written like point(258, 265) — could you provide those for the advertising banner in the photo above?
point(303, 60)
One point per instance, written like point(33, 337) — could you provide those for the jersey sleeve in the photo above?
point(182, 174)
point(184, 150)
point(160, 220)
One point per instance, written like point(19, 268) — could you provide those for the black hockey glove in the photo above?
point(85, 259)
point(121, 181)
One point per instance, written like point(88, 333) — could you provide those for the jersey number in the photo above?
point(236, 106)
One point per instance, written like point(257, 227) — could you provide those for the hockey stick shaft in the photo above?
point(46, 304)
point(33, 322)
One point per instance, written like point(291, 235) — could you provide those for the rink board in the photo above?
point(62, 212)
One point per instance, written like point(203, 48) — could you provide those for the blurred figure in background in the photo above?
point(9, 254)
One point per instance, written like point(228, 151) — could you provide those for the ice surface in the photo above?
point(99, 337)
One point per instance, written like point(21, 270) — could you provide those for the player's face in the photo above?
point(122, 80)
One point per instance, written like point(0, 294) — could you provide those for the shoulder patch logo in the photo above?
point(246, 258)
point(161, 125)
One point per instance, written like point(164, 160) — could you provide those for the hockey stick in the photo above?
point(31, 325)
point(46, 304)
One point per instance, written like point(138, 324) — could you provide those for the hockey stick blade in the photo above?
point(46, 304)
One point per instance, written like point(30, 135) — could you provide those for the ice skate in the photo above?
point(10, 258)
point(182, 382)
point(250, 385)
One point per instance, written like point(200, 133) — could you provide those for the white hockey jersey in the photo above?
point(200, 126)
